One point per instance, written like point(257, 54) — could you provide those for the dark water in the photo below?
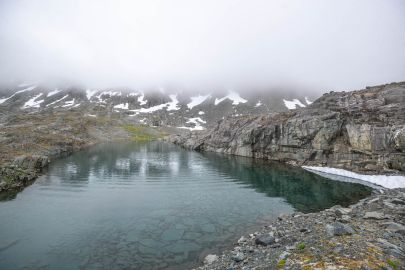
point(151, 206)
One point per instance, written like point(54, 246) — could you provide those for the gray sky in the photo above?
point(323, 45)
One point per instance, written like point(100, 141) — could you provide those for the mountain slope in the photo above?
point(361, 130)
point(187, 110)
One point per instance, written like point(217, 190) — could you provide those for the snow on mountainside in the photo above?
point(192, 111)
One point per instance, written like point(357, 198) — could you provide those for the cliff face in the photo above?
point(361, 130)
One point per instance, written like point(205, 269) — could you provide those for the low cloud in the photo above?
point(319, 45)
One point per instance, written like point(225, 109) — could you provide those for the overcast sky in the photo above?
point(323, 45)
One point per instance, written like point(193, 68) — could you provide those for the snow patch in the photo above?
point(18, 92)
point(197, 121)
point(292, 104)
point(233, 96)
point(173, 105)
point(122, 106)
point(387, 181)
point(170, 106)
point(308, 101)
point(56, 101)
point(32, 103)
point(197, 100)
point(201, 113)
point(141, 99)
point(258, 104)
point(69, 103)
point(54, 92)
point(90, 93)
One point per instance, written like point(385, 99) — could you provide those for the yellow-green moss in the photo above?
point(140, 133)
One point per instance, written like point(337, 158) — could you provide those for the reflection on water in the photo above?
point(151, 206)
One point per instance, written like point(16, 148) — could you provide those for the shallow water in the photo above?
point(151, 206)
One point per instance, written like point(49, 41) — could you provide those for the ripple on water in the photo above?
point(151, 206)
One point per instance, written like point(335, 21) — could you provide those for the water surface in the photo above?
point(151, 206)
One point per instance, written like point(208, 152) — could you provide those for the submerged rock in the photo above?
point(210, 258)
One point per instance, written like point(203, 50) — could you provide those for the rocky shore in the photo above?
point(367, 235)
point(29, 142)
point(361, 131)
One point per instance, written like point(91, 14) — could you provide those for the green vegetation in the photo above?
point(281, 263)
point(140, 133)
point(301, 246)
point(393, 264)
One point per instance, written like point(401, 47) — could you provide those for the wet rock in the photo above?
point(374, 215)
point(238, 256)
point(210, 258)
point(242, 240)
point(265, 240)
point(338, 229)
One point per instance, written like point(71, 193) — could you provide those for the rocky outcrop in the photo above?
point(361, 130)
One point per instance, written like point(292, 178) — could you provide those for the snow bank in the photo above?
point(292, 104)
point(387, 181)
point(197, 100)
point(233, 96)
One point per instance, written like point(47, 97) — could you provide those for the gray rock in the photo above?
point(238, 256)
point(374, 215)
point(392, 249)
point(210, 258)
point(340, 211)
point(284, 255)
point(265, 240)
point(345, 219)
point(338, 229)
point(394, 227)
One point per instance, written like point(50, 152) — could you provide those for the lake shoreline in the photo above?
point(366, 235)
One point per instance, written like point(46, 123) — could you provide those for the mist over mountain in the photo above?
point(198, 46)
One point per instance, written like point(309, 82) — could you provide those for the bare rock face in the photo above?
point(361, 130)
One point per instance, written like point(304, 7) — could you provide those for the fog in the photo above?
point(317, 45)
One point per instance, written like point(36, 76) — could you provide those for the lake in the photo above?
point(152, 206)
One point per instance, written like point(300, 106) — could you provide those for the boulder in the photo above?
point(265, 240)
point(338, 229)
